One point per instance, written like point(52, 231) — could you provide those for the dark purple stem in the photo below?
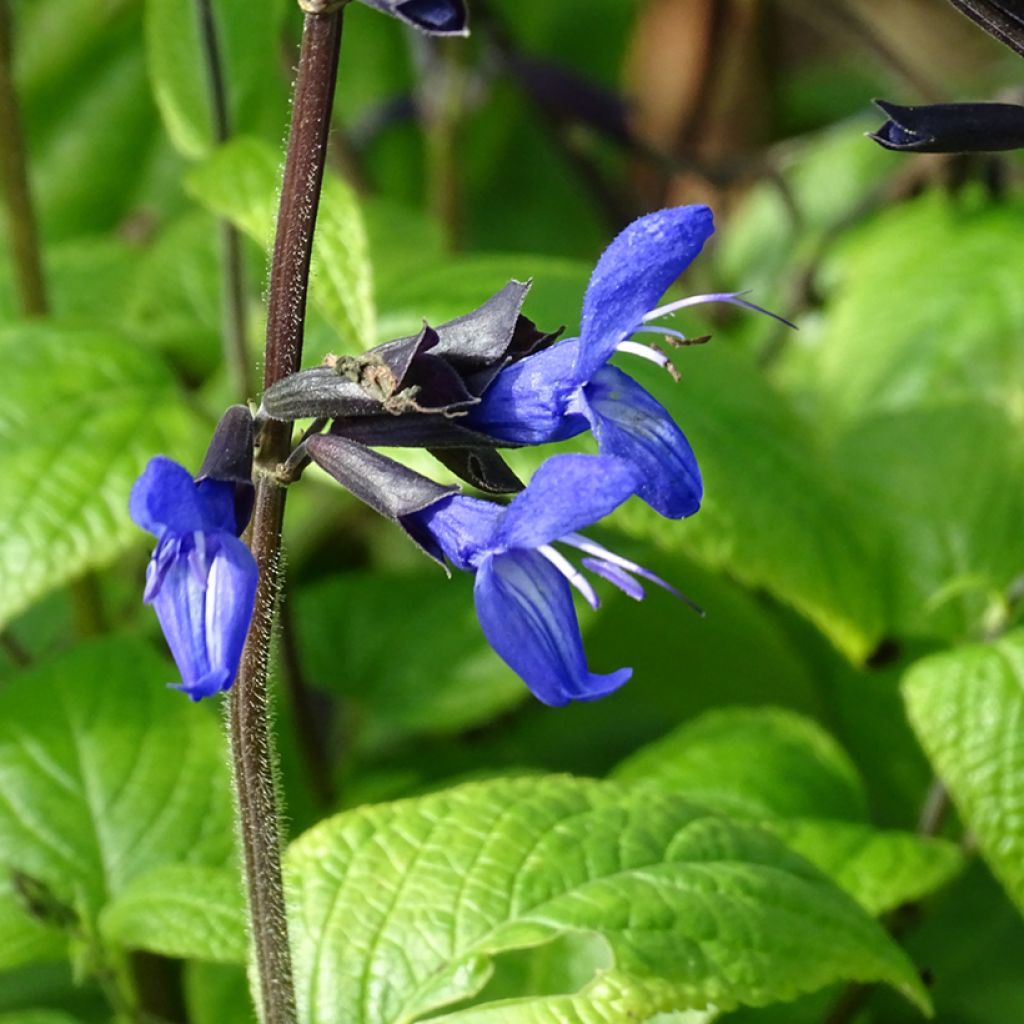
point(252, 752)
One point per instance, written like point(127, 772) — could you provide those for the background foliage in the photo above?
point(814, 790)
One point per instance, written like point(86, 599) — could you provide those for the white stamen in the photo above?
point(571, 573)
point(652, 355)
point(663, 331)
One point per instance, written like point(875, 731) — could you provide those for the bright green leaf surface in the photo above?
point(84, 412)
point(241, 182)
point(105, 774)
point(927, 309)
point(788, 774)
point(881, 870)
point(217, 994)
point(754, 761)
point(967, 707)
point(398, 909)
point(776, 515)
point(187, 911)
point(37, 1017)
point(935, 483)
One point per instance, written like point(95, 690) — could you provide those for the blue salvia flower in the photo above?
point(201, 579)
point(522, 587)
point(569, 387)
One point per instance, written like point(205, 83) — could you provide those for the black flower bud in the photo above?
point(951, 127)
point(229, 459)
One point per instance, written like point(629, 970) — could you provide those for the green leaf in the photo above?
point(23, 939)
point(240, 181)
point(84, 411)
point(217, 994)
point(248, 37)
point(935, 480)
point(967, 708)
point(105, 773)
point(776, 514)
point(755, 762)
point(93, 131)
point(785, 772)
point(880, 870)
point(398, 910)
point(432, 672)
point(187, 911)
point(926, 310)
point(36, 1017)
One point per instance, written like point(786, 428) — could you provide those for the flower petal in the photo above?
point(631, 424)
point(567, 493)
point(528, 401)
point(230, 596)
point(166, 498)
point(633, 274)
point(437, 17)
point(525, 609)
point(460, 528)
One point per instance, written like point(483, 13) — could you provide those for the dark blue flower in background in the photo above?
point(201, 579)
point(522, 587)
point(569, 387)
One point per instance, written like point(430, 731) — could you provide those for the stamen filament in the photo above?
point(732, 298)
point(571, 573)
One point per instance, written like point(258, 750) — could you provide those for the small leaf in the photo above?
point(106, 774)
point(187, 911)
point(398, 910)
point(240, 181)
point(84, 411)
point(967, 708)
point(764, 762)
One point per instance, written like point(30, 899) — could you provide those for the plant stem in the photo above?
point(236, 353)
point(251, 747)
point(23, 237)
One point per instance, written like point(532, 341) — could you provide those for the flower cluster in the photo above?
point(485, 381)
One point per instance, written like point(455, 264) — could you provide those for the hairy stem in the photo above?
point(236, 353)
point(252, 752)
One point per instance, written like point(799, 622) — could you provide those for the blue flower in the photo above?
point(522, 587)
point(201, 579)
point(569, 387)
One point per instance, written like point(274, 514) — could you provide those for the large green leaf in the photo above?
point(428, 672)
point(241, 180)
point(776, 515)
point(188, 911)
point(936, 483)
point(926, 309)
point(398, 910)
point(105, 773)
point(785, 772)
point(967, 707)
point(754, 761)
point(84, 411)
point(248, 38)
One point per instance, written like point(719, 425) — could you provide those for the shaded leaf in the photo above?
point(105, 774)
